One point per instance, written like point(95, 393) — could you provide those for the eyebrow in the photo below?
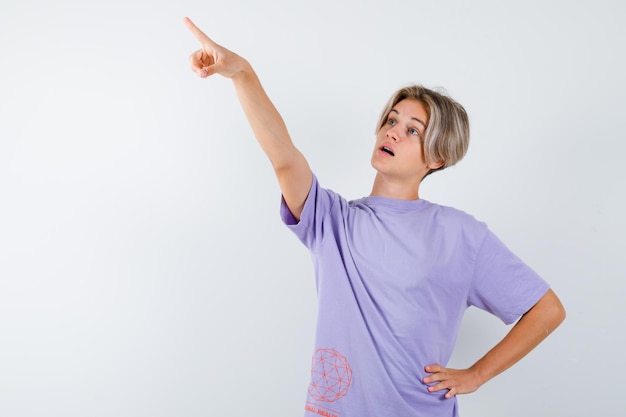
point(412, 118)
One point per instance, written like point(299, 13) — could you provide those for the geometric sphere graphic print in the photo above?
point(331, 375)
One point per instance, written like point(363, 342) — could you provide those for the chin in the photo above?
point(374, 164)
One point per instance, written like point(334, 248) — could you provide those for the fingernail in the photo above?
point(203, 73)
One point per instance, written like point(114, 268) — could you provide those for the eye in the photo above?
point(391, 122)
point(414, 132)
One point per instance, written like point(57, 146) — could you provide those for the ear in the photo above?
point(435, 165)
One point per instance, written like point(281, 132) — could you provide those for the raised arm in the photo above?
point(528, 332)
point(291, 168)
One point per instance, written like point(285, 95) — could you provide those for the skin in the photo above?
point(290, 167)
point(528, 332)
point(398, 176)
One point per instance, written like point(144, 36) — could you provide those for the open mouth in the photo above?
point(386, 149)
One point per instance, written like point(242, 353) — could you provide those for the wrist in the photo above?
point(243, 73)
point(480, 375)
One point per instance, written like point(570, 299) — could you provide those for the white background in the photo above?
point(144, 270)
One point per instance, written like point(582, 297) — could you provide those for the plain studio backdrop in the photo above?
point(144, 270)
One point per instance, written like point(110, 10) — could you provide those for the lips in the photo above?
point(387, 150)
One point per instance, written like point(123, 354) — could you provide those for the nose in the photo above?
point(392, 134)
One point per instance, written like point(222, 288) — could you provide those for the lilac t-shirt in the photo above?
point(393, 280)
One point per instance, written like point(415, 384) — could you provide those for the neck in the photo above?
point(393, 188)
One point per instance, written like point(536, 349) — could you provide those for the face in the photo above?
point(398, 150)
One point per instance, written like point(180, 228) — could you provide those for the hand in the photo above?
point(213, 58)
point(456, 381)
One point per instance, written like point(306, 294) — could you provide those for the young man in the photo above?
point(394, 272)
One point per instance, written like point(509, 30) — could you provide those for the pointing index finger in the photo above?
point(200, 35)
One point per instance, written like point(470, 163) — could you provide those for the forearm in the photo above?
point(530, 330)
point(290, 166)
point(266, 123)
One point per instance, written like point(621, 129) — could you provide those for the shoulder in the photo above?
point(456, 222)
point(453, 215)
point(320, 192)
point(323, 201)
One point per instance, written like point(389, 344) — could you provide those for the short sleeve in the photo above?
point(502, 283)
point(315, 216)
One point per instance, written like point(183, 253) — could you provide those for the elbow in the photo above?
point(554, 310)
point(559, 310)
point(548, 313)
point(557, 315)
point(561, 315)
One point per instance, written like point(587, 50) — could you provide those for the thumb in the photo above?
point(209, 70)
point(197, 61)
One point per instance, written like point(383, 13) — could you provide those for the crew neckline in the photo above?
point(394, 203)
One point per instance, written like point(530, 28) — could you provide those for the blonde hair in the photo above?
point(446, 138)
